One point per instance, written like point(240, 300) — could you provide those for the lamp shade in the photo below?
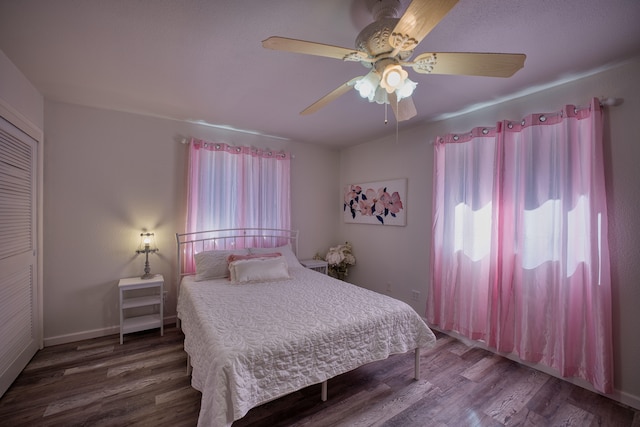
point(147, 243)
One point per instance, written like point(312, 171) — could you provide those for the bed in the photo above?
point(258, 325)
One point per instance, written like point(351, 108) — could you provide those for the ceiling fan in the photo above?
point(386, 46)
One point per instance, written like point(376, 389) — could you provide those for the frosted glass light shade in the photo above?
point(367, 85)
point(406, 90)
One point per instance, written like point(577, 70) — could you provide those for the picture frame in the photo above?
point(376, 203)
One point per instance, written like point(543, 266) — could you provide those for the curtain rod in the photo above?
point(185, 141)
point(604, 101)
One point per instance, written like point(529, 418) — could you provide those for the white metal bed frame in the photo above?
point(232, 238)
point(237, 238)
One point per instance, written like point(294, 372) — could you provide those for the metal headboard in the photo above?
point(231, 238)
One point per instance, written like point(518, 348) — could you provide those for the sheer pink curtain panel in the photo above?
point(235, 187)
point(520, 258)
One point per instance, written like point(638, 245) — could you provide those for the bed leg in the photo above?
point(323, 393)
point(416, 374)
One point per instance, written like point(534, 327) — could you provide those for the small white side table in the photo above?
point(127, 301)
point(316, 264)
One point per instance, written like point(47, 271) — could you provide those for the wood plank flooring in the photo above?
point(99, 382)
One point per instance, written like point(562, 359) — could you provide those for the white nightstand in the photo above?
point(128, 301)
point(315, 264)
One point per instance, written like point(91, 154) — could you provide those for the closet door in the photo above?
point(19, 321)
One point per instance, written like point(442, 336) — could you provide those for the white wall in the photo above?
point(110, 174)
point(400, 255)
point(19, 99)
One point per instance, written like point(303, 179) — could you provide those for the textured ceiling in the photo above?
point(203, 59)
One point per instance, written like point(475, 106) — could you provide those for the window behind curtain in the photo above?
point(520, 258)
point(236, 187)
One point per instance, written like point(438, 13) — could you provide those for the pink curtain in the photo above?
point(236, 187)
point(520, 258)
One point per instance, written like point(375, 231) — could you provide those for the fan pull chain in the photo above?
point(397, 121)
point(386, 120)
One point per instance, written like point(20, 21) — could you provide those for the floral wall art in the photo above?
point(382, 203)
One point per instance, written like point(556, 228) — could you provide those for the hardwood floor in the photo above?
point(144, 383)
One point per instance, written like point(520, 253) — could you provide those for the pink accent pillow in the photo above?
point(237, 257)
point(285, 250)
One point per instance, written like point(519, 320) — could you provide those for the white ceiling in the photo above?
point(203, 59)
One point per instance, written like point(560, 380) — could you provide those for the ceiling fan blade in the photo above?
point(418, 20)
point(336, 93)
point(312, 48)
point(403, 110)
point(469, 64)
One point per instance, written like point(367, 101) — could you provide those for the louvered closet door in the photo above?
point(18, 264)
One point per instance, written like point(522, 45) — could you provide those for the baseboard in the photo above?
point(94, 333)
point(626, 399)
point(617, 395)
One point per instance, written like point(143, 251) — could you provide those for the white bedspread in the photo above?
point(255, 342)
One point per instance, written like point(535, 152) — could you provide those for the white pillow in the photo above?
point(213, 264)
point(259, 269)
point(285, 250)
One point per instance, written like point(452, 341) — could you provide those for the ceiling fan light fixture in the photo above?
point(393, 77)
point(406, 90)
point(367, 85)
point(381, 96)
